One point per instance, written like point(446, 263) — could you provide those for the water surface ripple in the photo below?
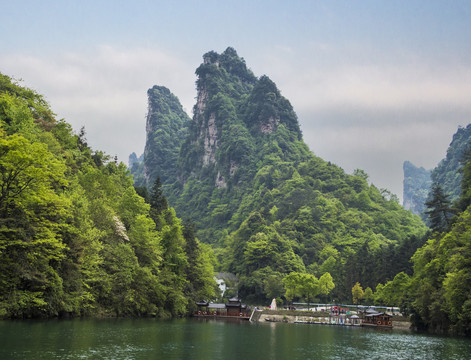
point(199, 339)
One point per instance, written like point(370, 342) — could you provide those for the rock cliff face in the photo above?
point(237, 120)
point(211, 123)
point(166, 128)
point(236, 117)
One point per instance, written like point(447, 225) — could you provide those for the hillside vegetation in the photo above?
point(75, 238)
point(267, 204)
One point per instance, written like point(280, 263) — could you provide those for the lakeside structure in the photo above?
point(233, 309)
point(326, 314)
point(322, 314)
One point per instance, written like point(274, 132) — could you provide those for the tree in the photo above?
point(273, 285)
point(292, 283)
point(326, 284)
point(31, 245)
point(158, 203)
point(438, 209)
point(357, 293)
point(200, 283)
point(301, 285)
point(27, 171)
point(368, 295)
point(309, 287)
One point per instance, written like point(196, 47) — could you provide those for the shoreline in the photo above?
point(295, 316)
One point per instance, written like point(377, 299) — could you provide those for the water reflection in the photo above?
point(215, 339)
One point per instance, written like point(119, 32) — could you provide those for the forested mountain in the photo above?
point(166, 128)
point(267, 204)
point(75, 238)
point(417, 183)
point(447, 174)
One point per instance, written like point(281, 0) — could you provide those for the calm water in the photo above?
point(196, 339)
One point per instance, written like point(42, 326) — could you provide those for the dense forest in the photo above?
point(438, 296)
point(75, 237)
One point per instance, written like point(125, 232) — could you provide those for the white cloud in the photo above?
point(105, 90)
point(377, 86)
point(369, 115)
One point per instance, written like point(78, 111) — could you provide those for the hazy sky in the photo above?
point(374, 83)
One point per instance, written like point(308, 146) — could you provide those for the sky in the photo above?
point(374, 83)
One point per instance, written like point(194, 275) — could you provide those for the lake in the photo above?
point(212, 339)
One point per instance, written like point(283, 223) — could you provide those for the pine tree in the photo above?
point(439, 211)
point(158, 202)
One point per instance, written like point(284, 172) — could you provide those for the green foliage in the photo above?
point(199, 271)
point(357, 293)
point(326, 284)
point(438, 297)
point(438, 209)
point(75, 237)
point(167, 126)
point(447, 173)
point(440, 290)
point(306, 286)
point(368, 296)
point(392, 293)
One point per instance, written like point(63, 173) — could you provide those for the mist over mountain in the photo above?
point(417, 183)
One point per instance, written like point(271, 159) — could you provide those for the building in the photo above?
point(233, 309)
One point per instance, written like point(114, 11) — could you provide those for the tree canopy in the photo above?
point(75, 237)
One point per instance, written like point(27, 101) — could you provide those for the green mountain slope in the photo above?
point(166, 128)
point(267, 204)
point(447, 173)
point(438, 296)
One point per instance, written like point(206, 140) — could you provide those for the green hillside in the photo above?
point(267, 204)
point(75, 238)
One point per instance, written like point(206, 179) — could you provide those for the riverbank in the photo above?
point(292, 316)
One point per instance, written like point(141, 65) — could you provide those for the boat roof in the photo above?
point(377, 314)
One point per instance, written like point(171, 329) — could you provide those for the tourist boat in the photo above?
point(377, 319)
